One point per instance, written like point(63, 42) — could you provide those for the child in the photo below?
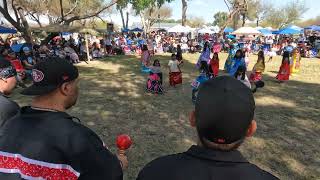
point(175, 74)
point(284, 71)
point(295, 64)
point(156, 69)
point(227, 65)
point(205, 55)
point(272, 52)
point(246, 58)
point(241, 76)
point(236, 62)
point(145, 57)
point(179, 54)
point(203, 77)
point(214, 64)
point(258, 68)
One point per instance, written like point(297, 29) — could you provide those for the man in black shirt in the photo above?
point(44, 142)
point(8, 82)
point(223, 118)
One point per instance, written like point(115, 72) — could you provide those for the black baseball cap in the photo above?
point(224, 110)
point(49, 75)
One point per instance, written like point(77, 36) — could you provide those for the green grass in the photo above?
point(113, 101)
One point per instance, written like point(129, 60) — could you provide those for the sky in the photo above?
point(207, 8)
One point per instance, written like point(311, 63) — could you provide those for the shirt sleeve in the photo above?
point(93, 159)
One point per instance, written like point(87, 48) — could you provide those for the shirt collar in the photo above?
point(215, 155)
point(1, 94)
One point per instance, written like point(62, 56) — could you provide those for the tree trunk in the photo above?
point(127, 22)
point(257, 22)
point(184, 12)
point(235, 21)
point(229, 20)
point(26, 29)
point(143, 22)
point(122, 18)
point(243, 20)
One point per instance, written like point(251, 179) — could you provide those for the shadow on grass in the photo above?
point(113, 101)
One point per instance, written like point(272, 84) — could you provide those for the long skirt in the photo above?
point(175, 78)
point(255, 76)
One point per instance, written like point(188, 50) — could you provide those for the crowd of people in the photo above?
point(43, 141)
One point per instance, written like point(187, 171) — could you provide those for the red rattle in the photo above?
point(123, 143)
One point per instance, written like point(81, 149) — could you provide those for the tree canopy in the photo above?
point(220, 18)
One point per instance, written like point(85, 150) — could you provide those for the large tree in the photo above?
point(142, 7)
point(220, 18)
point(59, 12)
point(236, 8)
point(280, 17)
point(153, 15)
point(195, 22)
point(184, 12)
point(121, 5)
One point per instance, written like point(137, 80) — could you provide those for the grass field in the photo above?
point(113, 101)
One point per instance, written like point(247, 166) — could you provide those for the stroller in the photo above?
point(154, 84)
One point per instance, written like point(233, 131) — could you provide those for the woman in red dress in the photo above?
point(214, 63)
point(284, 71)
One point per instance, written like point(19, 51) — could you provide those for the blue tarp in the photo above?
point(136, 30)
point(290, 30)
point(313, 28)
point(125, 30)
point(5, 30)
point(265, 31)
point(228, 30)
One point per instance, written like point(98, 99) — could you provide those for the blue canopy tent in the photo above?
point(228, 30)
point(136, 30)
point(265, 32)
point(5, 30)
point(291, 30)
point(288, 31)
point(125, 30)
point(313, 28)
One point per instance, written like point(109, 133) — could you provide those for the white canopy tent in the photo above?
point(246, 31)
point(216, 29)
point(206, 31)
point(259, 27)
point(179, 29)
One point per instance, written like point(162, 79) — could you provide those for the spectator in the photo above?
point(8, 82)
point(50, 144)
point(220, 133)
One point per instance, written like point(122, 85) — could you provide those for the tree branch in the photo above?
point(225, 1)
point(68, 21)
point(34, 18)
point(15, 11)
point(73, 8)
point(8, 17)
point(61, 10)
point(5, 5)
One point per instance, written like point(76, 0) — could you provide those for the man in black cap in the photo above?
point(43, 141)
point(223, 118)
point(8, 82)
